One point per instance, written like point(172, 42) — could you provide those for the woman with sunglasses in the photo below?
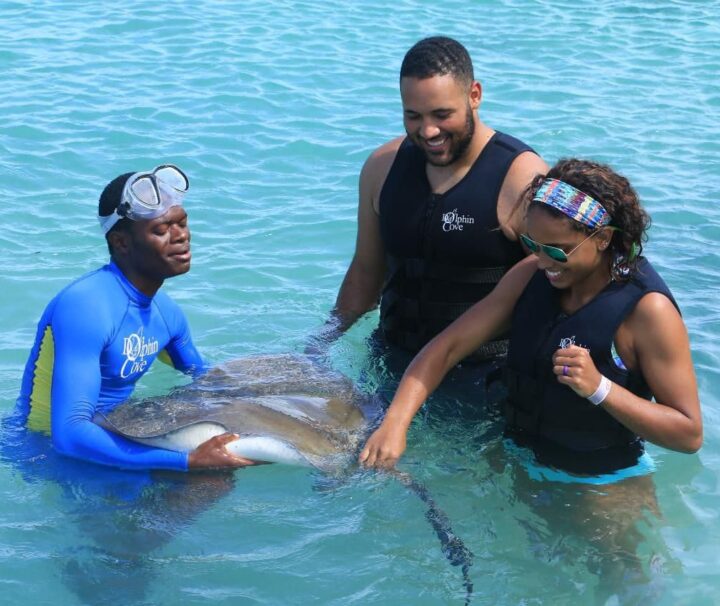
point(595, 336)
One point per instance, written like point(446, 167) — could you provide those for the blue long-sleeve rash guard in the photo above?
point(96, 338)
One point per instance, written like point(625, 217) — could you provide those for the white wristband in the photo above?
point(601, 392)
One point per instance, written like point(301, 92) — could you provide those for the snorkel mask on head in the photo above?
point(149, 195)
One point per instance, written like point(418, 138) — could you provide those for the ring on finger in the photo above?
point(566, 371)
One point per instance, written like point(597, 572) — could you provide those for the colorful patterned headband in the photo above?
point(572, 202)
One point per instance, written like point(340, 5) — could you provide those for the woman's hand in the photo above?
point(574, 367)
point(212, 454)
point(384, 447)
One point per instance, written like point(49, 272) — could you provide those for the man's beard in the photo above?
point(459, 146)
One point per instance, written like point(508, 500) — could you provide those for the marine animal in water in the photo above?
point(286, 409)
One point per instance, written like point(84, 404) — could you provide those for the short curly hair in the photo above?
point(438, 56)
point(617, 196)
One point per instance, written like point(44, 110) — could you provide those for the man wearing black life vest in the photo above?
point(435, 227)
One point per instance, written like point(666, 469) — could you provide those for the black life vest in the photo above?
point(444, 252)
point(563, 429)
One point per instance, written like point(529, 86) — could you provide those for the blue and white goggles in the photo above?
point(149, 195)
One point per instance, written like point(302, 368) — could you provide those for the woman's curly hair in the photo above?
point(616, 195)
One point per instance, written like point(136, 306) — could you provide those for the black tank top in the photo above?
point(445, 251)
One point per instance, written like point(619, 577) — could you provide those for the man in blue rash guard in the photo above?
point(102, 332)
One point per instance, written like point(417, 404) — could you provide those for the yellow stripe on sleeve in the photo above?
point(165, 358)
point(39, 417)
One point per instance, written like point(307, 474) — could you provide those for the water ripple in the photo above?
point(272, 108)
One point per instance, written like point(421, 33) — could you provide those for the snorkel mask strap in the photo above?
point(107, 223)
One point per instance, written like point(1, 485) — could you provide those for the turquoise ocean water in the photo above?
point(271, 108)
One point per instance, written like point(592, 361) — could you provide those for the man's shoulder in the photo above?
point(526, 164)
point(389, 147)
point(94, 287)
point(377, 167)
point(170, 310)
point(382, 157)
point(512, 142)
point(87, 301)
point(164, 301)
